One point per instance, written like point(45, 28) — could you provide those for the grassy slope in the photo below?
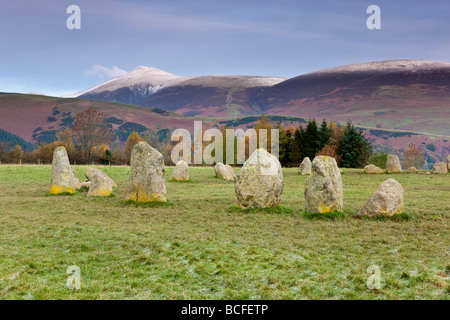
point(196, 249)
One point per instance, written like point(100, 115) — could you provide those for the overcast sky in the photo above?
point(198, 37)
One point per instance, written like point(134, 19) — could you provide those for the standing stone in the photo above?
point(412, 170)
point(393, 164)
point(146, 180)
point(305, 166)
point(448, 162)
point(180, 172)
point(440, 168)
point(259, 184)
point(372, 169)
point(101, 185)
point(224, 171)
point(323, 190)
point(85, 184)
point(386, 201)
point(76, 182)
point(62, 175)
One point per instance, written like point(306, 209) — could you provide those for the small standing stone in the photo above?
point(85, 184)
point(440, 168)
point(448, 162)
point(224, 171)
point(323, 190)
point(393, 164)
point(101, 185)
point(180, 172)
point(305, 166)
point(259, 183)
point(412, 170)
point(372, 169)
point(62, 176)
point(386, 201)
point(146, 180)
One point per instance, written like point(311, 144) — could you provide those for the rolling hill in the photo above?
point(37, 119)
point(400, 94)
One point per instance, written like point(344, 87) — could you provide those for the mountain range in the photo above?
point(397, 94)
point(395, 102)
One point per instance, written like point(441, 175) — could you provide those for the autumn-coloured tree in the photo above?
point(4, 146)
point(91, 130)
point(65, 139)
point(337, 133)
point(413, 156)
point(264, 123)
point(331, 151)
point(45, 151)
point(15, 155)
point(132, 141)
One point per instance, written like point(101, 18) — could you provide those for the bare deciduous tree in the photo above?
point(91, 130)
point(413, 156)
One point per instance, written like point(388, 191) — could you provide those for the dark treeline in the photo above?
point(346, 144)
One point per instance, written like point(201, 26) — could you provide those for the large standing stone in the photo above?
point(440, 168)
point(323, 190)
point(62, 175)
point(259, 184)
point(448, 162)
point(224, 171)
point(372, 169)
point(180, 172)
point(146, 180)
point(386, 201)
point(101, 185)
point(393, 164)
point(76, 182)
point(305, 166)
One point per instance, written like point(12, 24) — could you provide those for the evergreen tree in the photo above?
point(296, 154)
point(285, 146)
point(324, 135)
point(310, 140)
point(354, 148)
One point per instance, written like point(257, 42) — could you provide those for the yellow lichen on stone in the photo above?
point(323, 208)
point(55, 189)
point(132, 197)
point(102, 193)
point(143, 197)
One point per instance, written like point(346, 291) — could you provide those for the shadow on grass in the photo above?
point(112, 195)
point(183, 181)
point(323, 216)
point(396, 217)
point(270, 210)
point(150, 204)
point(48, 194)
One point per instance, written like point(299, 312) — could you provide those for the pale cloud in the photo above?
point(105, 72)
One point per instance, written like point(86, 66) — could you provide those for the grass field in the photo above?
point(196, 248)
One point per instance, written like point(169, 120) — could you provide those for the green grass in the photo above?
point(151, 204)
point(404, 216)
point(197, 248)
point(271, 210)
